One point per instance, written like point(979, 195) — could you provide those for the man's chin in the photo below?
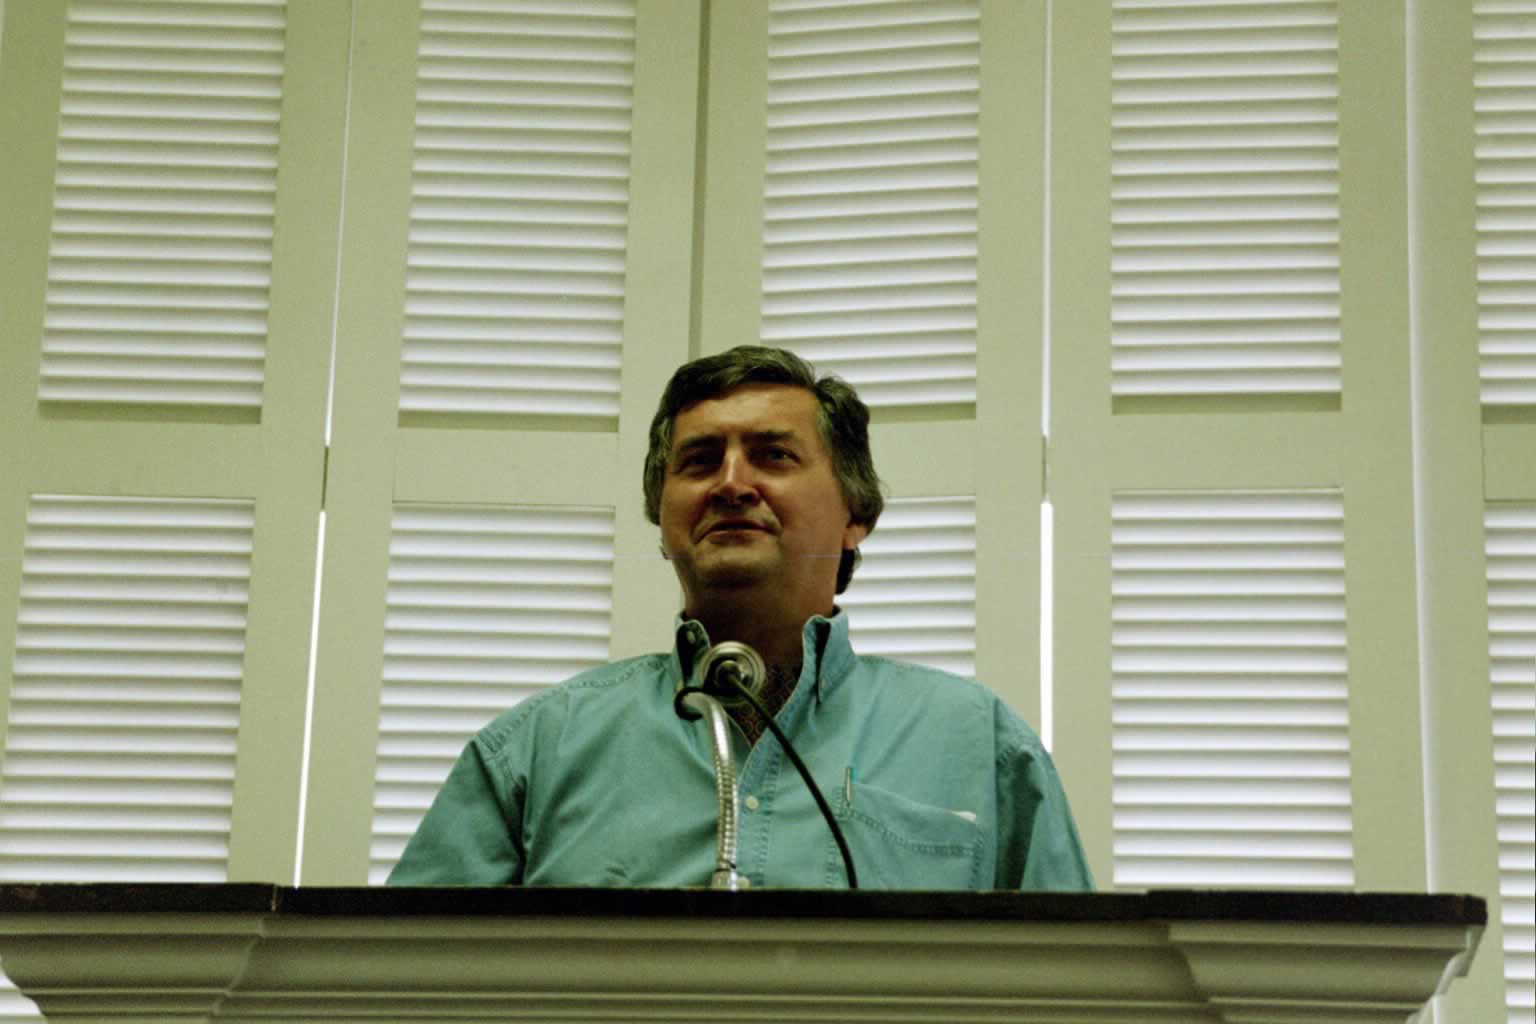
point(732, 569)
point(732, 577)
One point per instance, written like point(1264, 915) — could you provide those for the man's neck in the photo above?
point(776, 638)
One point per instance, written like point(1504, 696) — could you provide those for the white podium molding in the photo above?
point(260, 953)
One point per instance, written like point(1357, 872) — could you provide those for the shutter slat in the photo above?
point(519, 209)
point(869, 245)
point(1230, 689)
point(167, 137)
point(1225, 188)
point(1505, 124)
point(913, 596)
point(485, 607)
point(1510, 538)
point(120, 754)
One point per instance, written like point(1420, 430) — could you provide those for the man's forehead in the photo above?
point(755, 409)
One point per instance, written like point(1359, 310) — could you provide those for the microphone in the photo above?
point(731, 671)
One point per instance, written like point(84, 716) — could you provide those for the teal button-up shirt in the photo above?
point(597, 782)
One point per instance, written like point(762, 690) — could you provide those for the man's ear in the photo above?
point(853, 535)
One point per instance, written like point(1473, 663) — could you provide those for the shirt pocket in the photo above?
point(900, 843)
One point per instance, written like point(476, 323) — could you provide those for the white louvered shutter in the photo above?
point(486, 607)
point(1505, 88)
point(519, 208)
point(1230, 699)
point(869, 217)
point(1225, 212)
point(161, 247)
point(120, 755)
point(914, 595)
point(1511, 552)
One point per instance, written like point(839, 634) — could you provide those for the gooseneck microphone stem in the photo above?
point(733, 671)
point(810, 783)
point(727, 833)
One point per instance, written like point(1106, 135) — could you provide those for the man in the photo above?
point(761, 480)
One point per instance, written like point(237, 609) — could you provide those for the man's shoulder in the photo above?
point(595, 685)
point(938, 690)
point(925, 681)
point(608, 676)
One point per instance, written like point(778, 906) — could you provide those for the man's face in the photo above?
point(750, 502)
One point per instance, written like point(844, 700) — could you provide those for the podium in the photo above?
point(265, 953)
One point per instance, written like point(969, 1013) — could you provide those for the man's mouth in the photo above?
point(734, 524)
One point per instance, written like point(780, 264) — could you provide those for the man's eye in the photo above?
point(777, 454)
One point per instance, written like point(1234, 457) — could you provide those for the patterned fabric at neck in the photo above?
point(776, 690)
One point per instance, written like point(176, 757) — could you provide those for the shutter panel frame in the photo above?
point(1359, 444)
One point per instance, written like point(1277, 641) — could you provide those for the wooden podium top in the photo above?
point(1292, 906)
point(258, 952)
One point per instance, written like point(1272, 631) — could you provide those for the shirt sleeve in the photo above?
point(1038, 845)
point(472, 834)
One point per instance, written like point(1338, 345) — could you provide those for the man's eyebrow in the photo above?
point(772, 436)
point(697, 441)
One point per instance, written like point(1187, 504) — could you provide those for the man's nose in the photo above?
point(736, 481)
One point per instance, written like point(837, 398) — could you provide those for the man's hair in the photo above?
point(842, 418)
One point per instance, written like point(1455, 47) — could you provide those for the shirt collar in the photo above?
point(826, 653)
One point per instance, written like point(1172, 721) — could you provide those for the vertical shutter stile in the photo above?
point(161, 248)
point(1224, 205)
point(869, 244)
point(519, 209)
point(1511, 553)
point(486, 607)
point(1505, 98)
point(1230, 696)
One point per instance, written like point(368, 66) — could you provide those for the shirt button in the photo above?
point(752, 803)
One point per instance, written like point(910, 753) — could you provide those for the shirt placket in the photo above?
point(756, 787)
point(761, 782)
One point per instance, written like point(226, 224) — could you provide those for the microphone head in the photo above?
point(732, 662)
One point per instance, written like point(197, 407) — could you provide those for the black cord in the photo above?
point(805, 773)
point(685, 712)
